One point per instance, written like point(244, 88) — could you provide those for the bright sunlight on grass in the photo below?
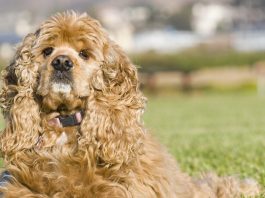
point(224, 133)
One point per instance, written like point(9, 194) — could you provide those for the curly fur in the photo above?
point(110, 154)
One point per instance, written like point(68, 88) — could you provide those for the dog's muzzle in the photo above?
point(62, 65)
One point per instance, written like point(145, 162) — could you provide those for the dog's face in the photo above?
point(69, 50)
point(69, 67)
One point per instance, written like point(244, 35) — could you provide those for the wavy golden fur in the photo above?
point(110, 154)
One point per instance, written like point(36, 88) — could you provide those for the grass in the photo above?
point(224, 133)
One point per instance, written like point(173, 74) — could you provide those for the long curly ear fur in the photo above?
point(113, 110)
point(20, 109)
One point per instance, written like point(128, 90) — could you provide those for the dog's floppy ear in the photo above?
point(17, 100)
point(22, 56)
point(117, 75)
point(112, 121)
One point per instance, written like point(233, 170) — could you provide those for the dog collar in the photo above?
point(67, 121)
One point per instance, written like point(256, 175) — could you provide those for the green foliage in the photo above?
point(223, 133)
point(190, 60)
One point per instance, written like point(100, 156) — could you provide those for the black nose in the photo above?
point(62, 63)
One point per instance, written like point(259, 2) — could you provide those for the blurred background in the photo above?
point(178, 44)
point(201, 63)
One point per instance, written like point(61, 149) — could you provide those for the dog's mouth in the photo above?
point(64, 117)
point(68, 120)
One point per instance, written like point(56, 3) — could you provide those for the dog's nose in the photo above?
point(62, 63)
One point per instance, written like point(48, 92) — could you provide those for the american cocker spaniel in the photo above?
point(73, 109)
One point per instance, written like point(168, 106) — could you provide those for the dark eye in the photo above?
point(47, 51)
point(84, 54)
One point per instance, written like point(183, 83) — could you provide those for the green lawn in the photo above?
point(224, 133)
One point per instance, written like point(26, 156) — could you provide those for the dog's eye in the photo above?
point(47, 51)
point(84, 54)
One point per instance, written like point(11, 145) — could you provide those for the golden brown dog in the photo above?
point(70, 70)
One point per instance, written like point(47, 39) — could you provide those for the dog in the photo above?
point(73, 108)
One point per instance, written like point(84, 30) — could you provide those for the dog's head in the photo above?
point(70, 50)
point(70, 64)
